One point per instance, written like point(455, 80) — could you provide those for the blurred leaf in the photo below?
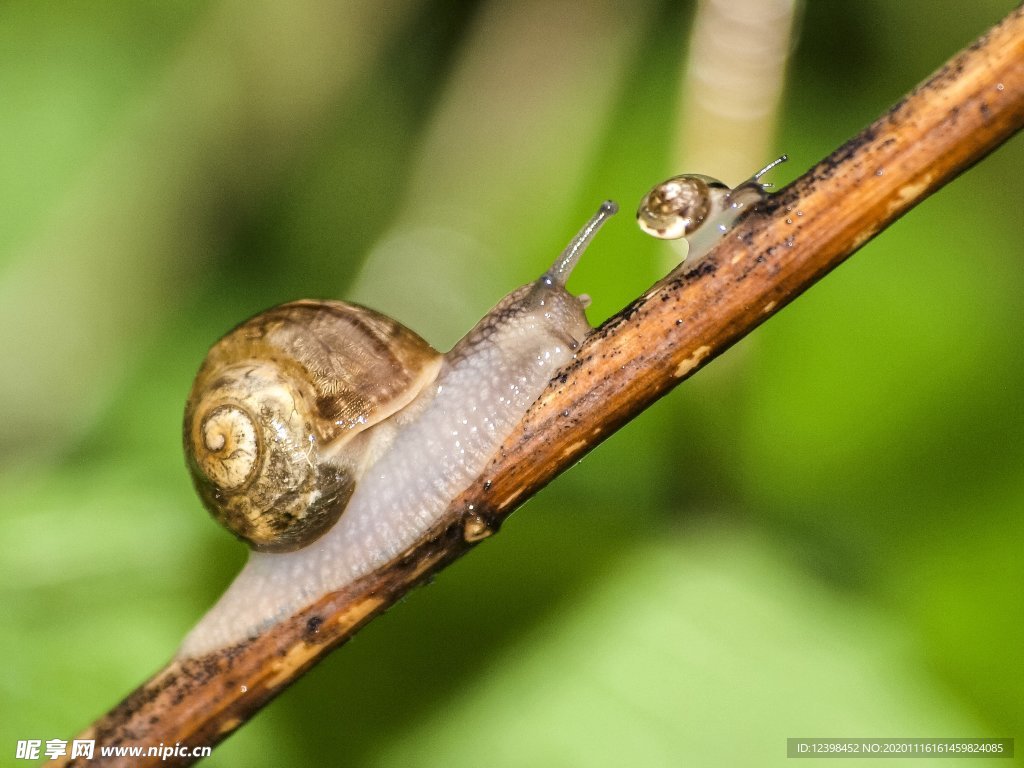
point(708, 648)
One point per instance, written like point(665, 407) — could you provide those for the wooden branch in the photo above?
point(969, 107)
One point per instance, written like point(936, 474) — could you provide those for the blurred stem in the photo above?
point(734, 75)
point(957, 117)
point(732, 84)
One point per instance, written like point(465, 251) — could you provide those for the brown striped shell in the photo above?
point(274, 422)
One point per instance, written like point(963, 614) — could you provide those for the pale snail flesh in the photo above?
point(699, 208)
point(391, 466)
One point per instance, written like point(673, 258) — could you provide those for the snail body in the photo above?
point(373, 478)
point(699, 208)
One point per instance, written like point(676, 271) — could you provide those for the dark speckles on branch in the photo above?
point(706, 266)
point(313, 625)
point(631, 309)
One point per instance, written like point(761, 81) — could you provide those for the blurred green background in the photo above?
point(819, 535)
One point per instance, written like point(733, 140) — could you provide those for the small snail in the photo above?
point(329, 437)
point(699, 208)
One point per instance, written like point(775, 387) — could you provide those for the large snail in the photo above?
point(330, 437)
point(699, 208)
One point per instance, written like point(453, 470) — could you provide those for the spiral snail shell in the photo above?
point(679, 206)
point(698, 208)
point(330, 437)
point(273, 423)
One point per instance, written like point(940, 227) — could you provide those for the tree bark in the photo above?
point(954, 119)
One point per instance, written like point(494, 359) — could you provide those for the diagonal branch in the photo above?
point(964, 111)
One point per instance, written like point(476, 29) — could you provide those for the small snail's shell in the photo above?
point(273, 423)
point(679, 206)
